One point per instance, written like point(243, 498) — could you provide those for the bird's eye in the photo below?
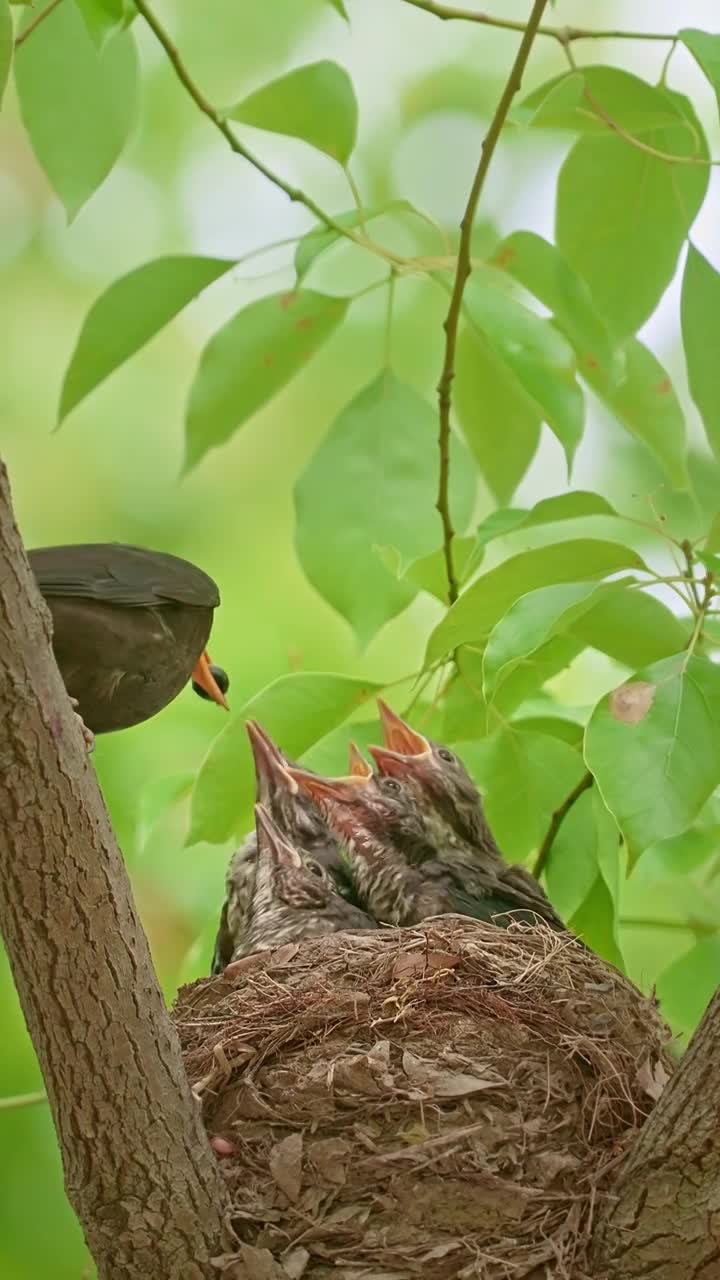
point(390, 784)
point(314, 868)
point(444, 754)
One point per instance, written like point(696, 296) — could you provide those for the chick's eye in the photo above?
point(444, 754)
point(314, 868)
point(390, 784)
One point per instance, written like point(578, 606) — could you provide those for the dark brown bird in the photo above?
point(293, 896)
point(401, 875)
point(130, 628)
point(452, 805)
point(299, 821)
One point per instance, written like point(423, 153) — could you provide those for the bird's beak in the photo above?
point(340, 789)
point(203, 676)
point(269, 760)
point(359, 767)
point(270, 840)
point(391, 764)
point(399, 737)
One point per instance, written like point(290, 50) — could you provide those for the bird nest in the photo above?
point(451, 1100)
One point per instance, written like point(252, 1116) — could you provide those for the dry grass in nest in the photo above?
point(445, 1101)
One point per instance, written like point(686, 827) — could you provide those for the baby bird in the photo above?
point(452, 806)
point(301, 824)
point(400, 874)
point(293, 897)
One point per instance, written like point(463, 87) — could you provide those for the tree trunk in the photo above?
point(138, 1168)
point(666, 1222)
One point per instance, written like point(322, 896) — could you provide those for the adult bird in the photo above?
point(452, 805)
point(293, 896)
point(400, 873)
point(130, 629)
point(299, 821)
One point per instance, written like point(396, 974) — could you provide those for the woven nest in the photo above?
point(451, 1100)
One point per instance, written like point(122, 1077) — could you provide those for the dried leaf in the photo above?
point(451, 1084)
point(415, 1069)
point(438, 960)
point(286, 1165)
point(295, 1262)
point(652, 1078)
point(409, 964)
point(328, 1155)
point(631, 702)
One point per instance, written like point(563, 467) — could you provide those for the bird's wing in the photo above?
point(115, 573)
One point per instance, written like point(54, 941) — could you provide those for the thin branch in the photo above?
point(43, 14)
point(22, 1100)
point(556, 822)
point(563, 35)
point(293, 193)
point(462, 272)
point(687, 926)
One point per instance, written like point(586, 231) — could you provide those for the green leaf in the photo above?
point(77, 105)
point(596, 923)
point(485, 393)
point(556, 105)
point(536, 354)
point(700, 315)
point(622, 214)
point(712, 542)
point(573, 864)
point(705, 49)
point(570, 731)
point(157, 797)
point(129, 314)
point(541, 268)
point(636, 106)
point(686, 988)
point(634, 629)
point(252, 357)
point(537, 767)
point(654, 748)
point(644, 401)
point(102, 18)
point(533, 619)
point(373, 480)
point(315, 102)
point(473, 616)
point(339, 7)
point(6, 44)
point(566, 506)
point(297, 710)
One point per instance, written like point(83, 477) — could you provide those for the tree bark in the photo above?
point(139, 1171)
point(666, 1221)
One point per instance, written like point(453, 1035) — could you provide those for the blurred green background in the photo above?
point(426, 90)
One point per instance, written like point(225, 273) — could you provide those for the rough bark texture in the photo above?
point(666, 1222)
point(138, 1168)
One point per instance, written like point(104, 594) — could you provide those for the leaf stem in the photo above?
point(556, 822)
point(563, 35)
point(462, 271)
point(293, 193)
point(22, 1100)
point(387, 341)
point(43, 14)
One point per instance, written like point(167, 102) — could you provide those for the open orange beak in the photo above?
point(269, 760)
point(340, 789)
point(399, 737)
point(271, 840)
point(359, 767)
point(203, 676)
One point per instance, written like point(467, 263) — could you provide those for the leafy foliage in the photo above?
point(576, 632)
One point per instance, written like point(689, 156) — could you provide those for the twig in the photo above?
point(686, 548)
point(563, 35)
point(689, 926)
point(462, 271)
point(293, 193)
point(22, 1100)
point(43, 14)
point(556, 822)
